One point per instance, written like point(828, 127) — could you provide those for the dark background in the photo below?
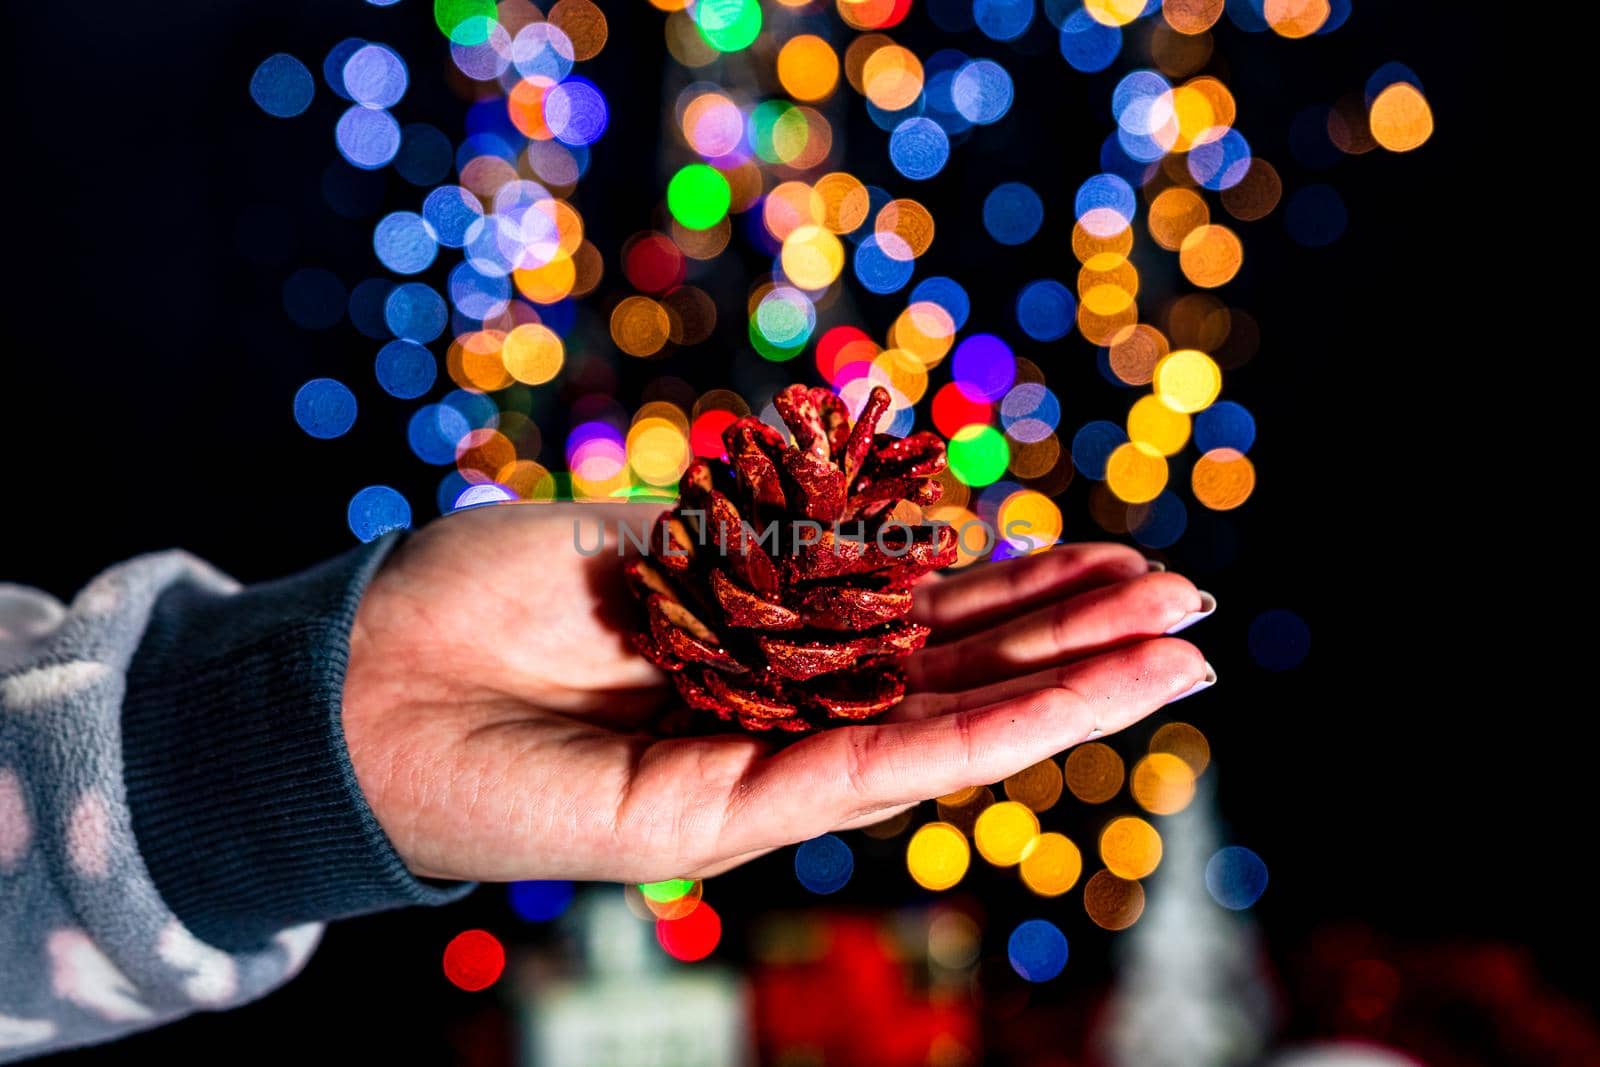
point(1393, 778)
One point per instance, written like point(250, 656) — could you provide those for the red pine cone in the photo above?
point(776, 592)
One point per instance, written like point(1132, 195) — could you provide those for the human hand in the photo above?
point(497, 716)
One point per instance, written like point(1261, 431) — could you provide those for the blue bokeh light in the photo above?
point(405, 369)
point(538, 902)
point(366, 138)
point(1236, 877)
point(948, 294)
point(982, 91)
point(1092, 446)
point(1037, 949)
point(282, 86)
point(878, 271)
point(919, 148)
point(375, 76)
point(325, 408)
point(376, 510)
point(1225, 424)
point(1012, 213)
point(403, 242)
point(1046, 309)
point(1089, 46)
point(824, 864)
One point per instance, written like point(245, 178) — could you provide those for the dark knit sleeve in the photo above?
point(244, 804)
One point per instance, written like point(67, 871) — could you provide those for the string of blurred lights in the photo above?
point(756, 123)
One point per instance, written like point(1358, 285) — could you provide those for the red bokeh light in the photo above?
point(474, 960)
point(705, 436)
point(653, 263)
point(692, 937)
point(953, 409)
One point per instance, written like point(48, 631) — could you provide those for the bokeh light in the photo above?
point(474, 960)
point(937, 856)
point(1236, 877)
point(1037, 950)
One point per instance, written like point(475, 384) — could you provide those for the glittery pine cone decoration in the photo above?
point(776, 592)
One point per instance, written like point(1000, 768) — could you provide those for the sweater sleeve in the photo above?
point(178, 814)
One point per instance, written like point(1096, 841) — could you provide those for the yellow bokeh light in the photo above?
point(845, 201)
point(1086, 245)
point(904, 229)
point(1184, 741)
point(1130, 847)
point(1093, 772)
point(1210, 256)
point(903, 373)
point(892, 77)
point(1223, 479)
point(1136, 473)
point(640, 326)
point(1004, 831)
point(1135, 351)
point(532, 353)
point(1152, 422)
point(1113, 903)
point(548, 284)
point(528, 479)
point(808, 69)
point(1038, 787)
point(1296, 18)
point(924, 329)
point(1162, 784)
point(658, 451)
point(1219, 103)
point(1052, 866)
point(473, 361)
point(1174, 215)
point(1401, 118)
point(1107, 285)
point(1191, 110)
point(1114, 12)
point(1036, 459)
point(937, 856)
point(1103, 329)
point(1187, 380)
point(812, 257)
point(790, 206)
point(1031, 521)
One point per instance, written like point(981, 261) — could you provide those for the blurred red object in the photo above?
point(853, 1003)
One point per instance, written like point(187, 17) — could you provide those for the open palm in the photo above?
point(498, 718)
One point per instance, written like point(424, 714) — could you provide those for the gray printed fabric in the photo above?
point(88, 951)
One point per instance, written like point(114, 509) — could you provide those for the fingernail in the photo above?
point(1156, 565)
point(1208, 604)
point(1205, 683)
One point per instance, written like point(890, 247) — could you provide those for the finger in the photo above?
point(1092, 621)
point(840, 775)
point(975, 598)
point(929, 705)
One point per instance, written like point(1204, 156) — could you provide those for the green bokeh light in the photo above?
point(772, 352)
point(979, 454)
point(728, 25)
point(465, 22)
point(668, 891)
point(698, 196)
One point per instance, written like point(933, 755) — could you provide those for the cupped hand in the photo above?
point(498, 719)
